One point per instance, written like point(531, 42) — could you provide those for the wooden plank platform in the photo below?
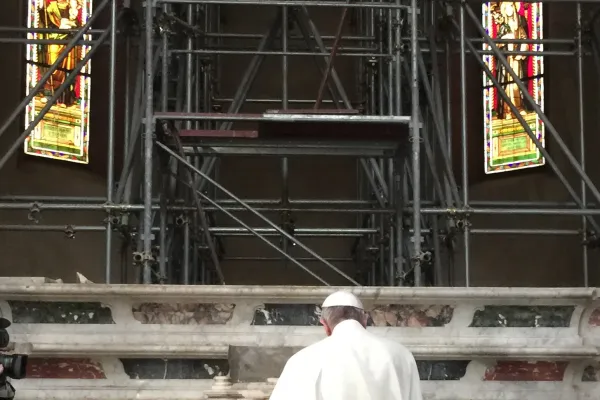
point(300, 125)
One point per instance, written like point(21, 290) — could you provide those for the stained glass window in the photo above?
point(64, 132)
point(507, 145)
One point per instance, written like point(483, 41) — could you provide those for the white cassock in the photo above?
point(351, 364)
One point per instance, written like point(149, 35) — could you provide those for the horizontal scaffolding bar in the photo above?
point(249, 52)
point(264, 202)
point(257, 36)
point(290, 3)
point(280, 117)
point(140, 207)
point(313, 202)
point(274, 101)
point(278, 259)
point(532, 1)
point(53, 228)
point(284, 148)
point(49, 41)
point(544, 232)
point(217, 231)
point(85, 207)
point(227, 231)
point(512, 211)
point(14, 29)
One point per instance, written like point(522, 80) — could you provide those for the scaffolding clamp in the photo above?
point(591, 240)
point(140, 258)
point(181, 220)
point(459, 220)
point(411, 139)
point(423, 257)
point(372, 62)
point(120, 223)
point(113, 220)
point(35, 213)
point(69, 232)
point(397, 22)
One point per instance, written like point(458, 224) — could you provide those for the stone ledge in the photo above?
point(15, 289)
point(210, 341)
point(67, 389)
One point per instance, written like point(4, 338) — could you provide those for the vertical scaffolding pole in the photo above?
point(399, 167)
point(111, 134)
point(398, 62)
point(126, 135)
point(448, 108)
point(189, 76)
point(463, 127)
point(197, 159)
point(165, 270)
point(148, 144)
point(390, 64)
point(584, 223)
point(416, 143)
point(392, 234)
point(284, 105)
point(390, 162)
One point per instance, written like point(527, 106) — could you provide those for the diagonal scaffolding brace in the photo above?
point(201, 213)
point(253, 211)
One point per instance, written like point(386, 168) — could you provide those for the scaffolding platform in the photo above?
point(295, 132)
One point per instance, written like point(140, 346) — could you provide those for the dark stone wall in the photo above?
point(495, 260)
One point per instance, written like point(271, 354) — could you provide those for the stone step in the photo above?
point(178, 389)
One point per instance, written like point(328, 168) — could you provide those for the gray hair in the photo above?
point(337, 314)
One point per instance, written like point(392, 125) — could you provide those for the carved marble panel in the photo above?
point(183, 313)
point(444, 370)
point(523, 317)
point(153, 368)
point(287, 315)
point(381, 315)
point(49, 312)
point(412, 316)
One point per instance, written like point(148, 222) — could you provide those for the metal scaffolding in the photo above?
point(413, 212)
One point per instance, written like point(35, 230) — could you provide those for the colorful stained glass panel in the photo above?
point(64, 132)
point(508, 147)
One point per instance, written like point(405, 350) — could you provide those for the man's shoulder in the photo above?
point(309, 353)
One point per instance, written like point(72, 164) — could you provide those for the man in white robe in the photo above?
point(351, 363)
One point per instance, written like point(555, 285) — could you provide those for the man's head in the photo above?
point(341, 306)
